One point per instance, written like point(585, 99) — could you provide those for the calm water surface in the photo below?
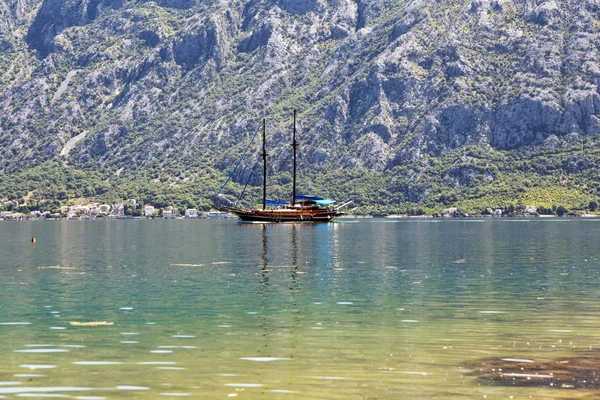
point(377, 309)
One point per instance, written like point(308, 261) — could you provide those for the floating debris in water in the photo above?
point(126, 308)
point(345, 303)
point(410, 321)
point(220, 262)
point(129, 341)
point(37, 366)
point(492, 312)
point(264, 359)
point(10, 383)
point(183, 336)
point(58, 328)
point(129, 333)
point(175, 394)
point(28, 375)
point(577, 372)
point(461, 261)
point(55, 267)
point(94, 323)
point(161, 351)
point(171, 368)
point(15, 323)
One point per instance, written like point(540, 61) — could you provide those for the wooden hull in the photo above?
point(283, 215)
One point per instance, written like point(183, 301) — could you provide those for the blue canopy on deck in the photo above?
point(318, 200)
point(276, 203)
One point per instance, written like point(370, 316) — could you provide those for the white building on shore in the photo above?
point(149, 211)
point(191, 213)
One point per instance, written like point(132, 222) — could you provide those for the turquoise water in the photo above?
point(373, 309)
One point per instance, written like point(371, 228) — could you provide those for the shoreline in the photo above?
point(353, 217)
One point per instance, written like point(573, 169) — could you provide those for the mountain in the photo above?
point(403, 105)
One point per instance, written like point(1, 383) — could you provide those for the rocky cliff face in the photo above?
point(121, 85)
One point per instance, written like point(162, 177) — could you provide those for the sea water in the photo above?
point(346, 310)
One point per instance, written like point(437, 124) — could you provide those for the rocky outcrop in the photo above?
point(259, 37)
point(299, 6)
point(195, 47)
point(179, 4)
point(55, 16)
point(368, 10)
point(12, 13)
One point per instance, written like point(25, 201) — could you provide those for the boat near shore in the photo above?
point(305, 209)
point(300, 209)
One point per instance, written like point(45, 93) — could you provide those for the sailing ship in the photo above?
point(300, 209)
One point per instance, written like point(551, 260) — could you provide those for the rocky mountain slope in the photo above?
point(400, 102)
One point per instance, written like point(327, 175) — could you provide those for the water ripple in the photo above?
point(42, 351)
point(97, 362)
point(127, 387)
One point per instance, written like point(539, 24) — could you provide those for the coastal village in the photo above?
point(132, 210)
point(125, 210)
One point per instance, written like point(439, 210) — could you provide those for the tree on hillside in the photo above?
point(561, 210)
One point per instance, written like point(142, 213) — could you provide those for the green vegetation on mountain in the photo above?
point(472, 179)
point(404, 106)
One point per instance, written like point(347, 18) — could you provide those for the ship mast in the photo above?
point(264, 156)
point(294, 145)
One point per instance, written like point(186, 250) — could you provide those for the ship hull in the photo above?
point(283, 215)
